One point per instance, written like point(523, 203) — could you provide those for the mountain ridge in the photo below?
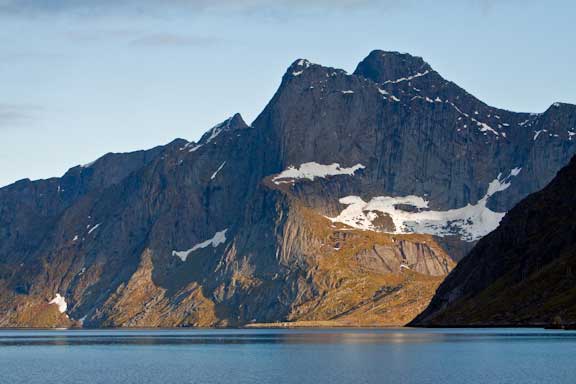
point(290, 69)
point(271, 217)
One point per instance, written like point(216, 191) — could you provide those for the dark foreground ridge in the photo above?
point(523, 273)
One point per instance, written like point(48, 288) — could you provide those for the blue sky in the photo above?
point(80, 78)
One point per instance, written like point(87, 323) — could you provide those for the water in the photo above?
point(288, 356)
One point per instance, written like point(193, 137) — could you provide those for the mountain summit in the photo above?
point(382, 67)
point(347, 200)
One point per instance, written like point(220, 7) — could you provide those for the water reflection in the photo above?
point(9, 338)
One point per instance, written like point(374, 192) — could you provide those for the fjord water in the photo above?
point(288, 356)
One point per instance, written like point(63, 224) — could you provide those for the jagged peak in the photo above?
point(562, 105)
point(301, 66)
point(233, 123)
point(390, 67)
point(558, 108)
point(236, 122)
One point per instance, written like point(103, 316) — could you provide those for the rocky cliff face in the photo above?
point(522, 273)
point(338, 203)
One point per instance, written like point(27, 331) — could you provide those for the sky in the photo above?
point(80, 78)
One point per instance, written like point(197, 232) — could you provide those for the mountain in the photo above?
point(523, 273)
point(347, 200)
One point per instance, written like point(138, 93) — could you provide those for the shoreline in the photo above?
point(304, 325)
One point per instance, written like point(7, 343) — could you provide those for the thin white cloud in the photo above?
point(141, 38)
point(88, 7)
point(136, 8)
point(86, 35)
point(168, 39)
point(17, 115)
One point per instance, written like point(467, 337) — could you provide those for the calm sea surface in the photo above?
point(437, 356)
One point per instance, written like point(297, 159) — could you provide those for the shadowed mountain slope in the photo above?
point(521, 274)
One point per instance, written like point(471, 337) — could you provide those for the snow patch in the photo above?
point(483, 126)
point(217, 129)
point(60, 302)
point(471, 222)
point(218, 170)
point(313, 170)
point(93, 228)
point(186, 146)
point(212, 133)
point(537, 133)
point(523, 123)
point(216, 240)
point(486, 128)
point(419, 74)
point(89, 164)
point(301, 63)
point(192, 147)
point(515, 171)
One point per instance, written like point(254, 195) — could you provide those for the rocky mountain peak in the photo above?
point(382, 66)
point(237, 122)
point(563, 107)
point(298, 67)
point(302, 68)
point(231, 124)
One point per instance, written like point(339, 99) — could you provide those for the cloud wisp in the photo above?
point(139, 7)
point(136, 8)
point(17, 115)
point(169, 39)
point(141, 38)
